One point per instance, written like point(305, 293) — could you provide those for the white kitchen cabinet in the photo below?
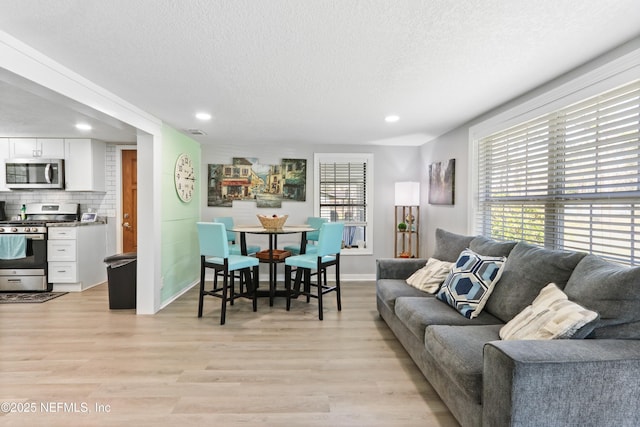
point(84, 165)
point(76, 257)
point(4, 154)
point(45, 148)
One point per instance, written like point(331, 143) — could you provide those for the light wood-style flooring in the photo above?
point(73, 362)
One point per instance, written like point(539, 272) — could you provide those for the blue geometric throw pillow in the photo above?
point(470, 282)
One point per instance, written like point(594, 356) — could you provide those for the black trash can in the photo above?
point(121, 276)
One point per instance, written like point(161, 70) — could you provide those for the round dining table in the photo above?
point(272, 260)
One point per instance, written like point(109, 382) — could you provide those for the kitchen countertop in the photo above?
point(99, 221)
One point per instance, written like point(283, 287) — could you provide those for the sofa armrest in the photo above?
point(561, 382)
point(398, 268)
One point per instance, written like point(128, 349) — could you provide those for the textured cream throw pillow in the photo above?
point(550, 316)
point(430, 277)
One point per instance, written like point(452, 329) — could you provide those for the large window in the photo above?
point(569, 179)
point(343, 193)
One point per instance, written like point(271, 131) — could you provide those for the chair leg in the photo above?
point(307, 284)
point(223, 312)
point(320, 282)
point(339, 299)
point(297, 281)
point(287, 284)
point(232, 287)
point(255, 287)
point(201, 299)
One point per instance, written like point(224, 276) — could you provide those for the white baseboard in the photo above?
point(73, 287)
point(179, 294)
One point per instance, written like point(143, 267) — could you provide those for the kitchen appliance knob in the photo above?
point(14, 229)
point(1, 230)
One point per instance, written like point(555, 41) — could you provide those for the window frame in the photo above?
point(366, 158)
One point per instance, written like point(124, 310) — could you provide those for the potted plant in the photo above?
point(402, 226)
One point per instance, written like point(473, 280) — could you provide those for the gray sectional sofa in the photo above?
point(486, 381)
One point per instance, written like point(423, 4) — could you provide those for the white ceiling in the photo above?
point(307, 71)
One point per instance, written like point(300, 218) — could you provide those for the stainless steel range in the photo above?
point(23, 246)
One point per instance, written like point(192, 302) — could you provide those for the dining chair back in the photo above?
point(315, 222)
point(228, 224)
point(215, 254)
point(234, 248)
point(327, 254)
point(312, 236)
point(330, 239)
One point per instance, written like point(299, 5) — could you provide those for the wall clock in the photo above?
point(184, 177)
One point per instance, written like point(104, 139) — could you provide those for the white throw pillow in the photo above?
point(430, 277)
point(550, 316)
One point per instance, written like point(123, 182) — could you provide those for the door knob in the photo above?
point(126, 225)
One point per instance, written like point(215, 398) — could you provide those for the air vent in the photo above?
point(196, 132)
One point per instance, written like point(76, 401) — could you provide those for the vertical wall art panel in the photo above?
point(442, 183)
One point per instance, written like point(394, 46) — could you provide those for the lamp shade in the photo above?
point(407, 193)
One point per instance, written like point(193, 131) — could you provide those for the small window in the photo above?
point(343, 194)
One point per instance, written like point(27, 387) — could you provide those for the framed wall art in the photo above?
point(442, 183)
point(245, 178)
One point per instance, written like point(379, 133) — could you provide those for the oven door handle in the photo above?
point(35, 236)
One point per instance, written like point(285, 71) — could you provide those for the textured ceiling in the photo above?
point(308, 71)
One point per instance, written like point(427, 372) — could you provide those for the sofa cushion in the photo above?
point(458, 350)
point(418, 313)
point(449, 245)
point(390, 289)
point(430, 277)
point(613, 291)
point(488, 247)
point(528, 269)
point(550, 316)
point(470, 282)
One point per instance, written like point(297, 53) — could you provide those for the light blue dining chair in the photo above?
point(327, 254)
point(312, 237)
point(214, 253)
point(234, 248)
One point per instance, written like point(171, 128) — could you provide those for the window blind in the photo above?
point(567, 180)
point(343, 192)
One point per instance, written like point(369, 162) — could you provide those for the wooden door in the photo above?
point(129, 201)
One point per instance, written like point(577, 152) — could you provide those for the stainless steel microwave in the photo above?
point(34, 173)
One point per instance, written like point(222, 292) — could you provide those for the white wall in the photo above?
point(391, 164)
point(453, 145)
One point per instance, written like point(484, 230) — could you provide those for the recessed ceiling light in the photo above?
point(203, 116)
point(391, 119)
point(83, 126)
